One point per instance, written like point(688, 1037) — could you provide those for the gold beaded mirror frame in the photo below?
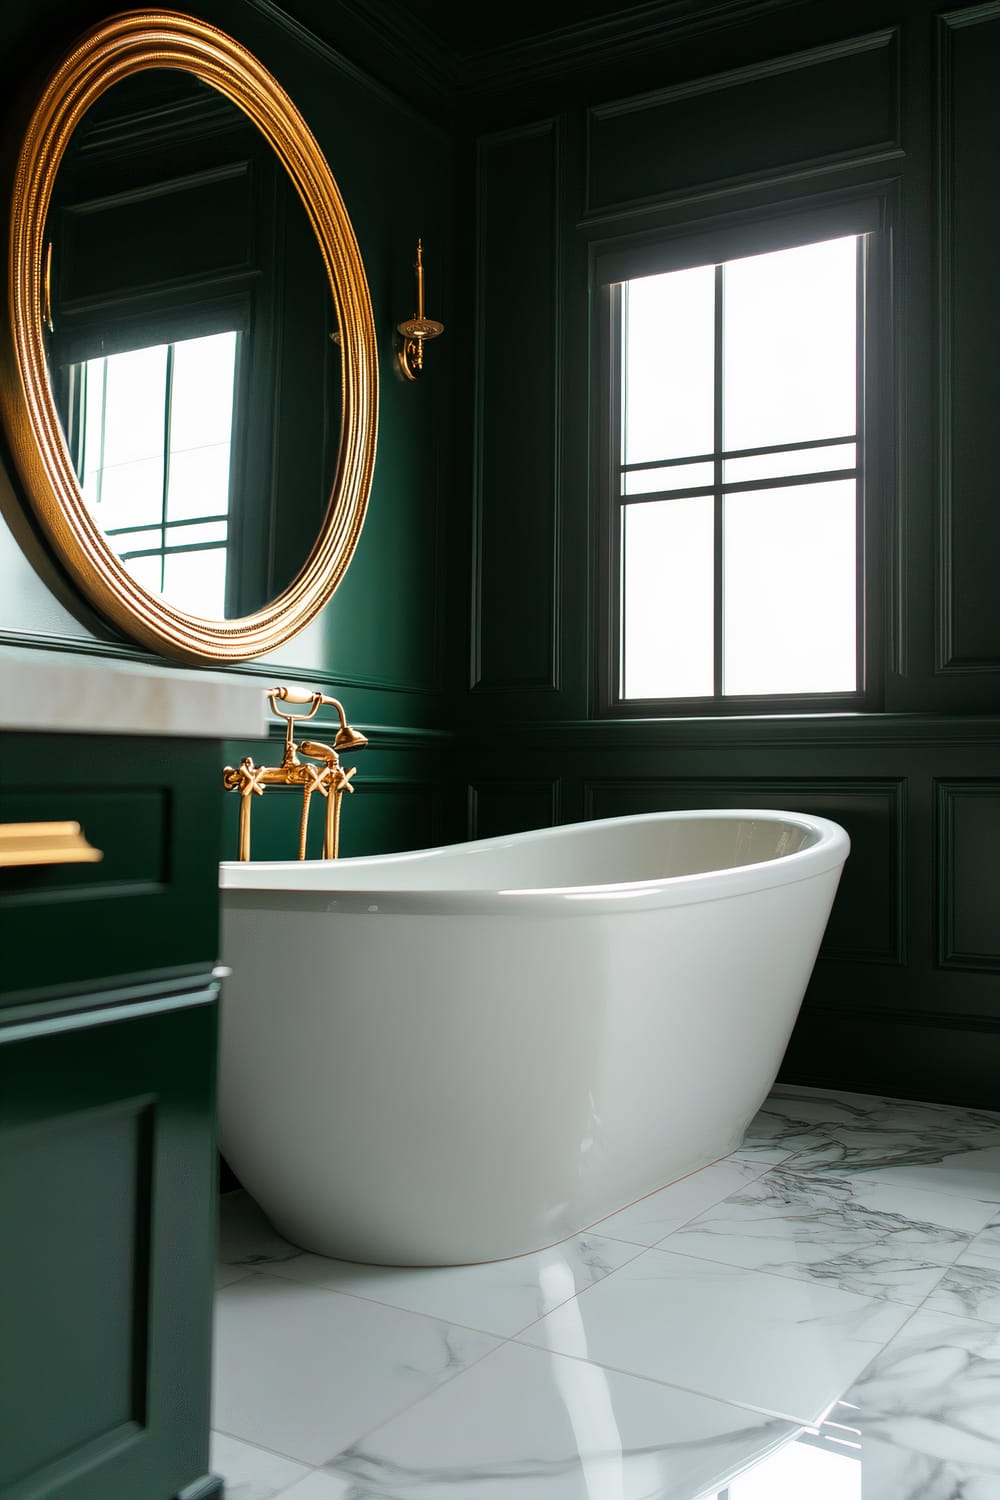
point(125, 45)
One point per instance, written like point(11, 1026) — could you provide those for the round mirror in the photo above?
point(191, 391)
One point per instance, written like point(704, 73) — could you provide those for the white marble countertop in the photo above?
point(70, 693)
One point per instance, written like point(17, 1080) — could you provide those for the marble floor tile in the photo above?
point(793, 1119)
point(527, 1425)
point(679, 1342)
point(225, 1275)
point(785, 1346)
point(500, 1297)
point(316, 1486)
point(245, 1236)
point(660, 1213)
point(895, 1115)
point(890, 1471)
point(970, 1291)
point(305, 1371)
point(252, 1473)
point(985, 1248)
point(867, 1236)
point(771, 1139)
point(800, 1104)
point(928, 1412)
point(934, 1159)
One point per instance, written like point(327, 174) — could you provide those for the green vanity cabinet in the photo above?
point(145, 914)
point(107, 1170)
point(108, 1166)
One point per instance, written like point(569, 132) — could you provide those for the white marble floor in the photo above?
point(818, 1315)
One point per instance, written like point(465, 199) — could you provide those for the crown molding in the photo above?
point(447, 83)
point(630, 32)
point(381, 45)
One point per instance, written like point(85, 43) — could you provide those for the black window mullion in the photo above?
point(172, 549)
point(171, 525)
point(717, 482)
point(741, 486)
point(104, 430)
point(168, 401)
point(704, 458)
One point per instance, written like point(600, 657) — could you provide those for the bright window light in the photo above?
point(154, 463)
point(740, 380)
point(801, 1469)
point(667, 620)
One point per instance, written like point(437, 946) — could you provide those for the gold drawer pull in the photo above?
point(45, 844)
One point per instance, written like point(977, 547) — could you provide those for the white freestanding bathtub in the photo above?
point(471, 1052)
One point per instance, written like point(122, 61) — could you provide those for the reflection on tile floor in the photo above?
point(817, 1315)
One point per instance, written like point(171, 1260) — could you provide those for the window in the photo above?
point(736, 465)
point(152, 439)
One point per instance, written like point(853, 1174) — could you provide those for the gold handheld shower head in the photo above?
point(349, 739)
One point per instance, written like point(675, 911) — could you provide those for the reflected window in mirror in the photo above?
point(172, 225)
point(151, 436)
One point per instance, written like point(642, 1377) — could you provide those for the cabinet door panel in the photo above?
point(149, 908)
point(106, 1253)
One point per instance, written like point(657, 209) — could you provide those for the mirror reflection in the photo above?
point(192, 345)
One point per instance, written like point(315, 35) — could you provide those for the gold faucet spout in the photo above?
point(331, 781)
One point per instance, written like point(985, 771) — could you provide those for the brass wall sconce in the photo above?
point(416, 329)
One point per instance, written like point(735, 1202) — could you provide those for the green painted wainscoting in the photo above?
point(612, 143)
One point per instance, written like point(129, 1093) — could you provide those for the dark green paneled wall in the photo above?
point(808, 102)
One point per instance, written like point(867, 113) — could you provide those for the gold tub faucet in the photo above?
point(329, 779)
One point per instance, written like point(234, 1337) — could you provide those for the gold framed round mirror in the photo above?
point(39, 433)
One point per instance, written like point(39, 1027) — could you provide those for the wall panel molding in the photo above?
point(968, 877)
point(890, 1015)
point(868, 920)
point(516, 493)
point(418, 816)
point(902, 1054)
point(968, 226)
point(844, 99)
point(499, 807)
point(381, 736)
point(738, 733)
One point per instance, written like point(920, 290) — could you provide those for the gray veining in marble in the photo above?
point(969, 1290)
point(928, 1409)
point(864, 1236)
point(935, 1147)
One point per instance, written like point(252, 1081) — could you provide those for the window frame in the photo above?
point(76, 380)
point(866, 213)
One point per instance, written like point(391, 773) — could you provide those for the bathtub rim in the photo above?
point(295, 883)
